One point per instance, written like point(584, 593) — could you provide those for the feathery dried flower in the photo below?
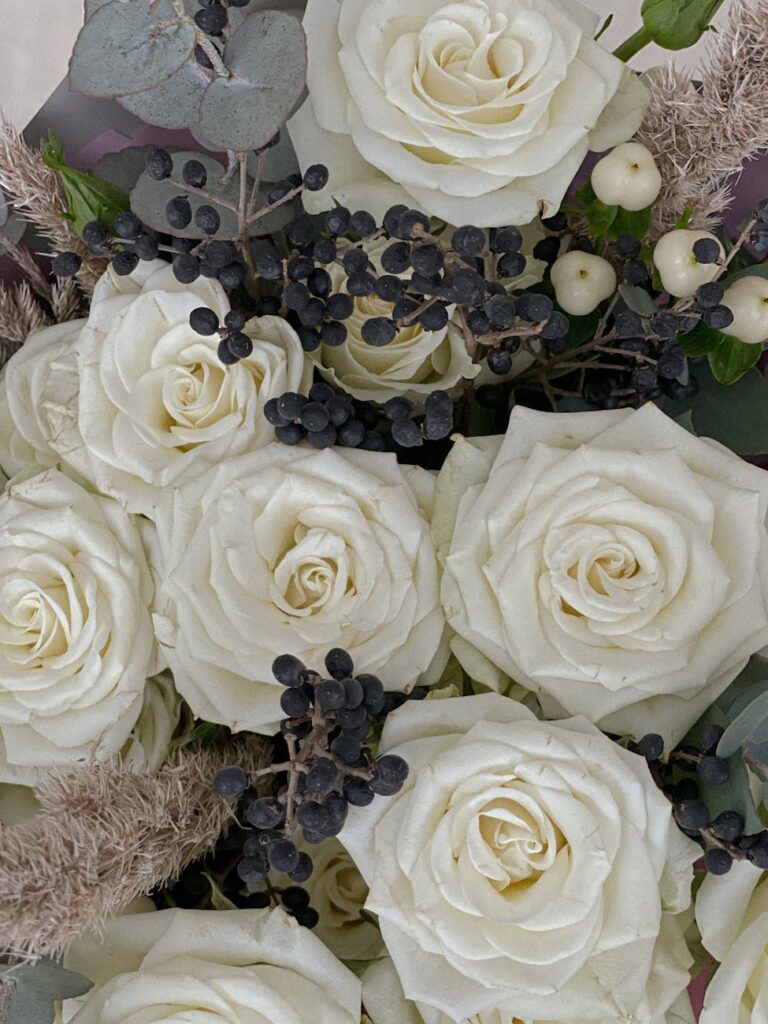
point(104, 836)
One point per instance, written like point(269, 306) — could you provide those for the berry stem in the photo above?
point(203, 41)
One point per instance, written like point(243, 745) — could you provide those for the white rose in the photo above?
point(135, 400)
point(385, 1003)
point(147, 748)
point(610, 561)
point(526, 867)
point(415, 363)
point(478, 111)
point(732, 914)
point(295, 551)
point(338, 893)
point(76, 642)
point(211, 967)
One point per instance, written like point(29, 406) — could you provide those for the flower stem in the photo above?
point(633, 45)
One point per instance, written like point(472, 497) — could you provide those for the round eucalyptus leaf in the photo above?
point(279, 163)
point(175, 103)
point(149, 197)
point(125, 167)
point(125, 48)
point(268, 60)
point(91, 6)
point(14, 228)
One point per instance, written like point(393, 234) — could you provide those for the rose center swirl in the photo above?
point(314, 574)
point(39, 615)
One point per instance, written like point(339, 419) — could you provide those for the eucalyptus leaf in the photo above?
point(175, 102)
point(677, 24)
point(280, 161)
point(128, 47)
point(36, 988)
point(268, 61)
point(91, 6)
point(638, 299)
point(14, 228)
point(731, 359)
point(746, 725)
point(125, 167)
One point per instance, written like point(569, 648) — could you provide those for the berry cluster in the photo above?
point(326, 418)
point(680, 778)
point(234, 344)
point(329, 766)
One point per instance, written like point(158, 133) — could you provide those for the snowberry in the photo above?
point(681, 273)
point(747, 299)
point(627, 177)
point(582, 281)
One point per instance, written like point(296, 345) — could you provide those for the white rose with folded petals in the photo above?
point(529, 868)
point(477, 111)
point(291, 550)
point(385, 1003)
point(732, 915)
point(147, 748)
point(76, 642)
point(611, 561)
point(211, 967)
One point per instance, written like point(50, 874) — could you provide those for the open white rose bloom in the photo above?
point(610, 561)
point(302, 551)
point(76, 640)
point(526, 867)
point(478, 111)
point(218, 967)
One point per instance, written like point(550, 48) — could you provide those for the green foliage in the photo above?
point(730, 359)
point(36, 988)
point(128, 47)
point(611, 221)
point(638, 299)
point(175, 102)
point(88, 196)
point(268, 60)
point(677, 24)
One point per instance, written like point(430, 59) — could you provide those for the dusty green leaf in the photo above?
point(175, 102)
point(127, 47)
point(149, 197)
point(35, 989)
point(677, 24)
point(280, 161)
point(637, 299)
point(746, 725)
point(268, 60)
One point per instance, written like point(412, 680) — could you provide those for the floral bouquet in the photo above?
point(383, 551)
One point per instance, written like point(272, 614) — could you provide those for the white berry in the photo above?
point(747, 299)
point(627, 177)
point(582, 281)
point(681, 273)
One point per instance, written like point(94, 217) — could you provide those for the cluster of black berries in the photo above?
point(329, 766)
point(326, 418)
point(679, 777)
point(234, 344)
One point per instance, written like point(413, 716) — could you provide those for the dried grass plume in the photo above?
point(105, 836)
point(701, 136)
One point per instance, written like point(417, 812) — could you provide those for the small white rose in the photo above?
point(476, 111)
point(211, 967)
point(76, 642)
point(520, 870)
point(147, 748)
point(582, 281)
point(594, 563)
point(681, 273)
point(290, 550)
point(627, 177)
point(747, 299)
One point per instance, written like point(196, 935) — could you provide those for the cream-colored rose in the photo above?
point(477, 111)
point(415, 363)
point(149, 744)
point(76, 642)
point(211, 967)
point(385, 1003)
point(530, 868)
point(291, 550)
point(338, 893)
point(732, 914)
point(610, 561)
point(134, 399)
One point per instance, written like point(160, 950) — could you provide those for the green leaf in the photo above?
point(638, 299)
point(128, 47)
point(175, 102)
point(600, 218)
point(88, 196)
point(677, 24)
point(736, 416)
point(756, 270)
point(268, 61)
point(700, 341)
point(745, 725)
point(631, 222)
point(731, 359)
point(36, 988)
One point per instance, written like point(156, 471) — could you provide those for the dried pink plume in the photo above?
point(701, 137)
point(104, 836)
